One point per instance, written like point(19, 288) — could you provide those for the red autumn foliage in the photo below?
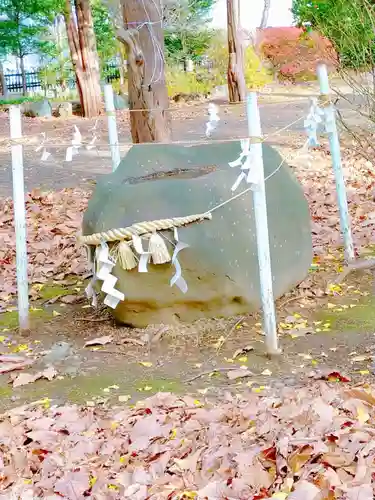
point(294, 53)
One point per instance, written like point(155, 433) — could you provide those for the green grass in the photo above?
point(20, 100)
point(360, 319)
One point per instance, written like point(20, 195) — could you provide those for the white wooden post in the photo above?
point(19, 217)
point(261, 225)
point(334, 145)
point(112, 126)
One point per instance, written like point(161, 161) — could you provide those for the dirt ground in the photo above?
point(331, 335)
point(321, 333)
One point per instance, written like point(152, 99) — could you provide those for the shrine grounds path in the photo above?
point(188, 124)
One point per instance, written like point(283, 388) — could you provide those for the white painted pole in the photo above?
point(334, 145)
point(112, 126)
point(261, 224)
point(19, 217)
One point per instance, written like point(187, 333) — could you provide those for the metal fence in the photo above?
point(34, 79)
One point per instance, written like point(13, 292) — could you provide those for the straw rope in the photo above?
point(140, 228)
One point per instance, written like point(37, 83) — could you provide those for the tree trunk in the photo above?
point(265, 14)
point(236, 78)
point(23, 75)
point(82, 45)
point(3, 82)
point(146, 72)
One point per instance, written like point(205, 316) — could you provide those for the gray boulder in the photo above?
point(220, 92)
point(64, 110)
point(120, 101)
point(42, 109)
point(220, 266)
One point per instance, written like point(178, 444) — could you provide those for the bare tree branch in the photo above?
point(265, 14)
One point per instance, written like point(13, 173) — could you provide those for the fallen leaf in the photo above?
point(106, 339)
point(27, 378)
point(190, 462)
point(8, 365)
point(237, 374)
point(124, 398)
point(305, 491)
point(362, 415)
point(300, 332)
point(335, 377)
point(361, 395)
point(337, 459)
point(362, 492)
point(24, 379)
point(267, 372)
point(147, 364)
point(243, 350)
point(73, 484)
point(69, 299)
point(21, 348)
point(203, 391)
point(49, 373)
point(299, 458)
point(360, 358)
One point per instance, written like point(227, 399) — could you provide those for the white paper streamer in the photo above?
point(329, 123)
point(76, 144)
point(77, 137)
point(91, 144)
point(45, 153)
point(177, 278)
point(104, 268)
point(245, 151)
point(144, 257)
point(250, 168)
point(312, 122)
point(213, 119)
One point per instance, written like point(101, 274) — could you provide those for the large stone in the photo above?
point(221, 267)
point(41, 109)
point(120, 101)
point(220, 93)
point(64, 110)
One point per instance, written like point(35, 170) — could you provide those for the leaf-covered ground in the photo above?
point(308, 443)
point(54, 220)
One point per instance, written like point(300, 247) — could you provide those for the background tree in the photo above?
point(265, 14)
point(148, 96)
point(236, 79)
point(348, 24)
point(23, 29)
point(293, 54)
point(83, 51)
point(106, 42)
point(186, 31)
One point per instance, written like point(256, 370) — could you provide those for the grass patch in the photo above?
point(360, 319)
point(19, 100)
point(9, 319)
